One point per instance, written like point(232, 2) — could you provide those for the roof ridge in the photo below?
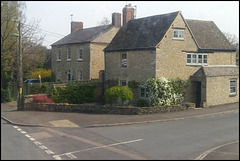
point(94, 32)
point(198, 20)
point(156, 15)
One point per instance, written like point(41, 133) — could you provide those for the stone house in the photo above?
point(170, 46)
point(79, 55)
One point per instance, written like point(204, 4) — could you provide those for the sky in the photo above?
point(54, 16)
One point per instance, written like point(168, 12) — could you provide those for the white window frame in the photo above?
point(59, 55)
point(80, 55)
point(80, 75)
point(233, 86)
point(194, 59)
point(68, 54)
point(143, 93)
point(178, 34)
point(123, 60)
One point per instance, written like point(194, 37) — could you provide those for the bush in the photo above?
point(118, 93)
point(5, 95)
point(142, 103)
point(163, 91)
point(75, 94)
point(41, 99)
point(58, 95)
point(38, 88)
point(179, 86)
point(133, 84)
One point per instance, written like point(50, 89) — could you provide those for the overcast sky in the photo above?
point(54, 16)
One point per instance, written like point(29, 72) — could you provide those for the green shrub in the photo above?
point(58, 95)
point(179, 86)
point(142, 103)
point(38, 88)
point(74, 94)
point(118, 93)
point(5, 95)
point(133, 84)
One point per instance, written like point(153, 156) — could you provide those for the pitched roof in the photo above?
point(208, 35)
point(218, 70)
point(83, 35)
point(143, 33)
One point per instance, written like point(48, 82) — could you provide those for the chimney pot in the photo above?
point(128, 13)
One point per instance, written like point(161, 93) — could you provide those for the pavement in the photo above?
point(229, 151)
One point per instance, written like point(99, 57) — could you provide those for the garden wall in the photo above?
point(101, 109)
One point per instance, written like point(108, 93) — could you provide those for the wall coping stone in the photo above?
point(101, 109)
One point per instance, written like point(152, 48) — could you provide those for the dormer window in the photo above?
point(178, 34)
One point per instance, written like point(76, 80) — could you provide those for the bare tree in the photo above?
point(105, 21)
point(234, 40)
point(12, 12)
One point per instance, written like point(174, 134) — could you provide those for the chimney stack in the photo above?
point(76, 26)
point(116, 19)
point(128, 13)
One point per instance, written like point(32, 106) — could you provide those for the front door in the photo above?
point(198, 94)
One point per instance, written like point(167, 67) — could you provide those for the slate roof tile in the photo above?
point(208, 35)
point(142, 33)
point(218, 70)
point(83, 35)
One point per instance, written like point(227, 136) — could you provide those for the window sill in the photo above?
point(178, 39)
point(58, 60)
point(197, 64)
point(233, 95)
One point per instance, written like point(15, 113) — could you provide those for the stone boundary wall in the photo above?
point(100, 109)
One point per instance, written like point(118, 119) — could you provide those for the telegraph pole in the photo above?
point(20, 74)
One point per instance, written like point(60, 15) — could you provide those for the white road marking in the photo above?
point(31, 138)
point(40, 144)
point(23, 132)
point(43, 147)
point(57, 157)
point(27, 135)
point(37, 143)
point(98, 147)
point(49, 152)
point(71, 156)
point(203, 155)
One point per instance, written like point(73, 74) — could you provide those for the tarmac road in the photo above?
point(79, 120)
